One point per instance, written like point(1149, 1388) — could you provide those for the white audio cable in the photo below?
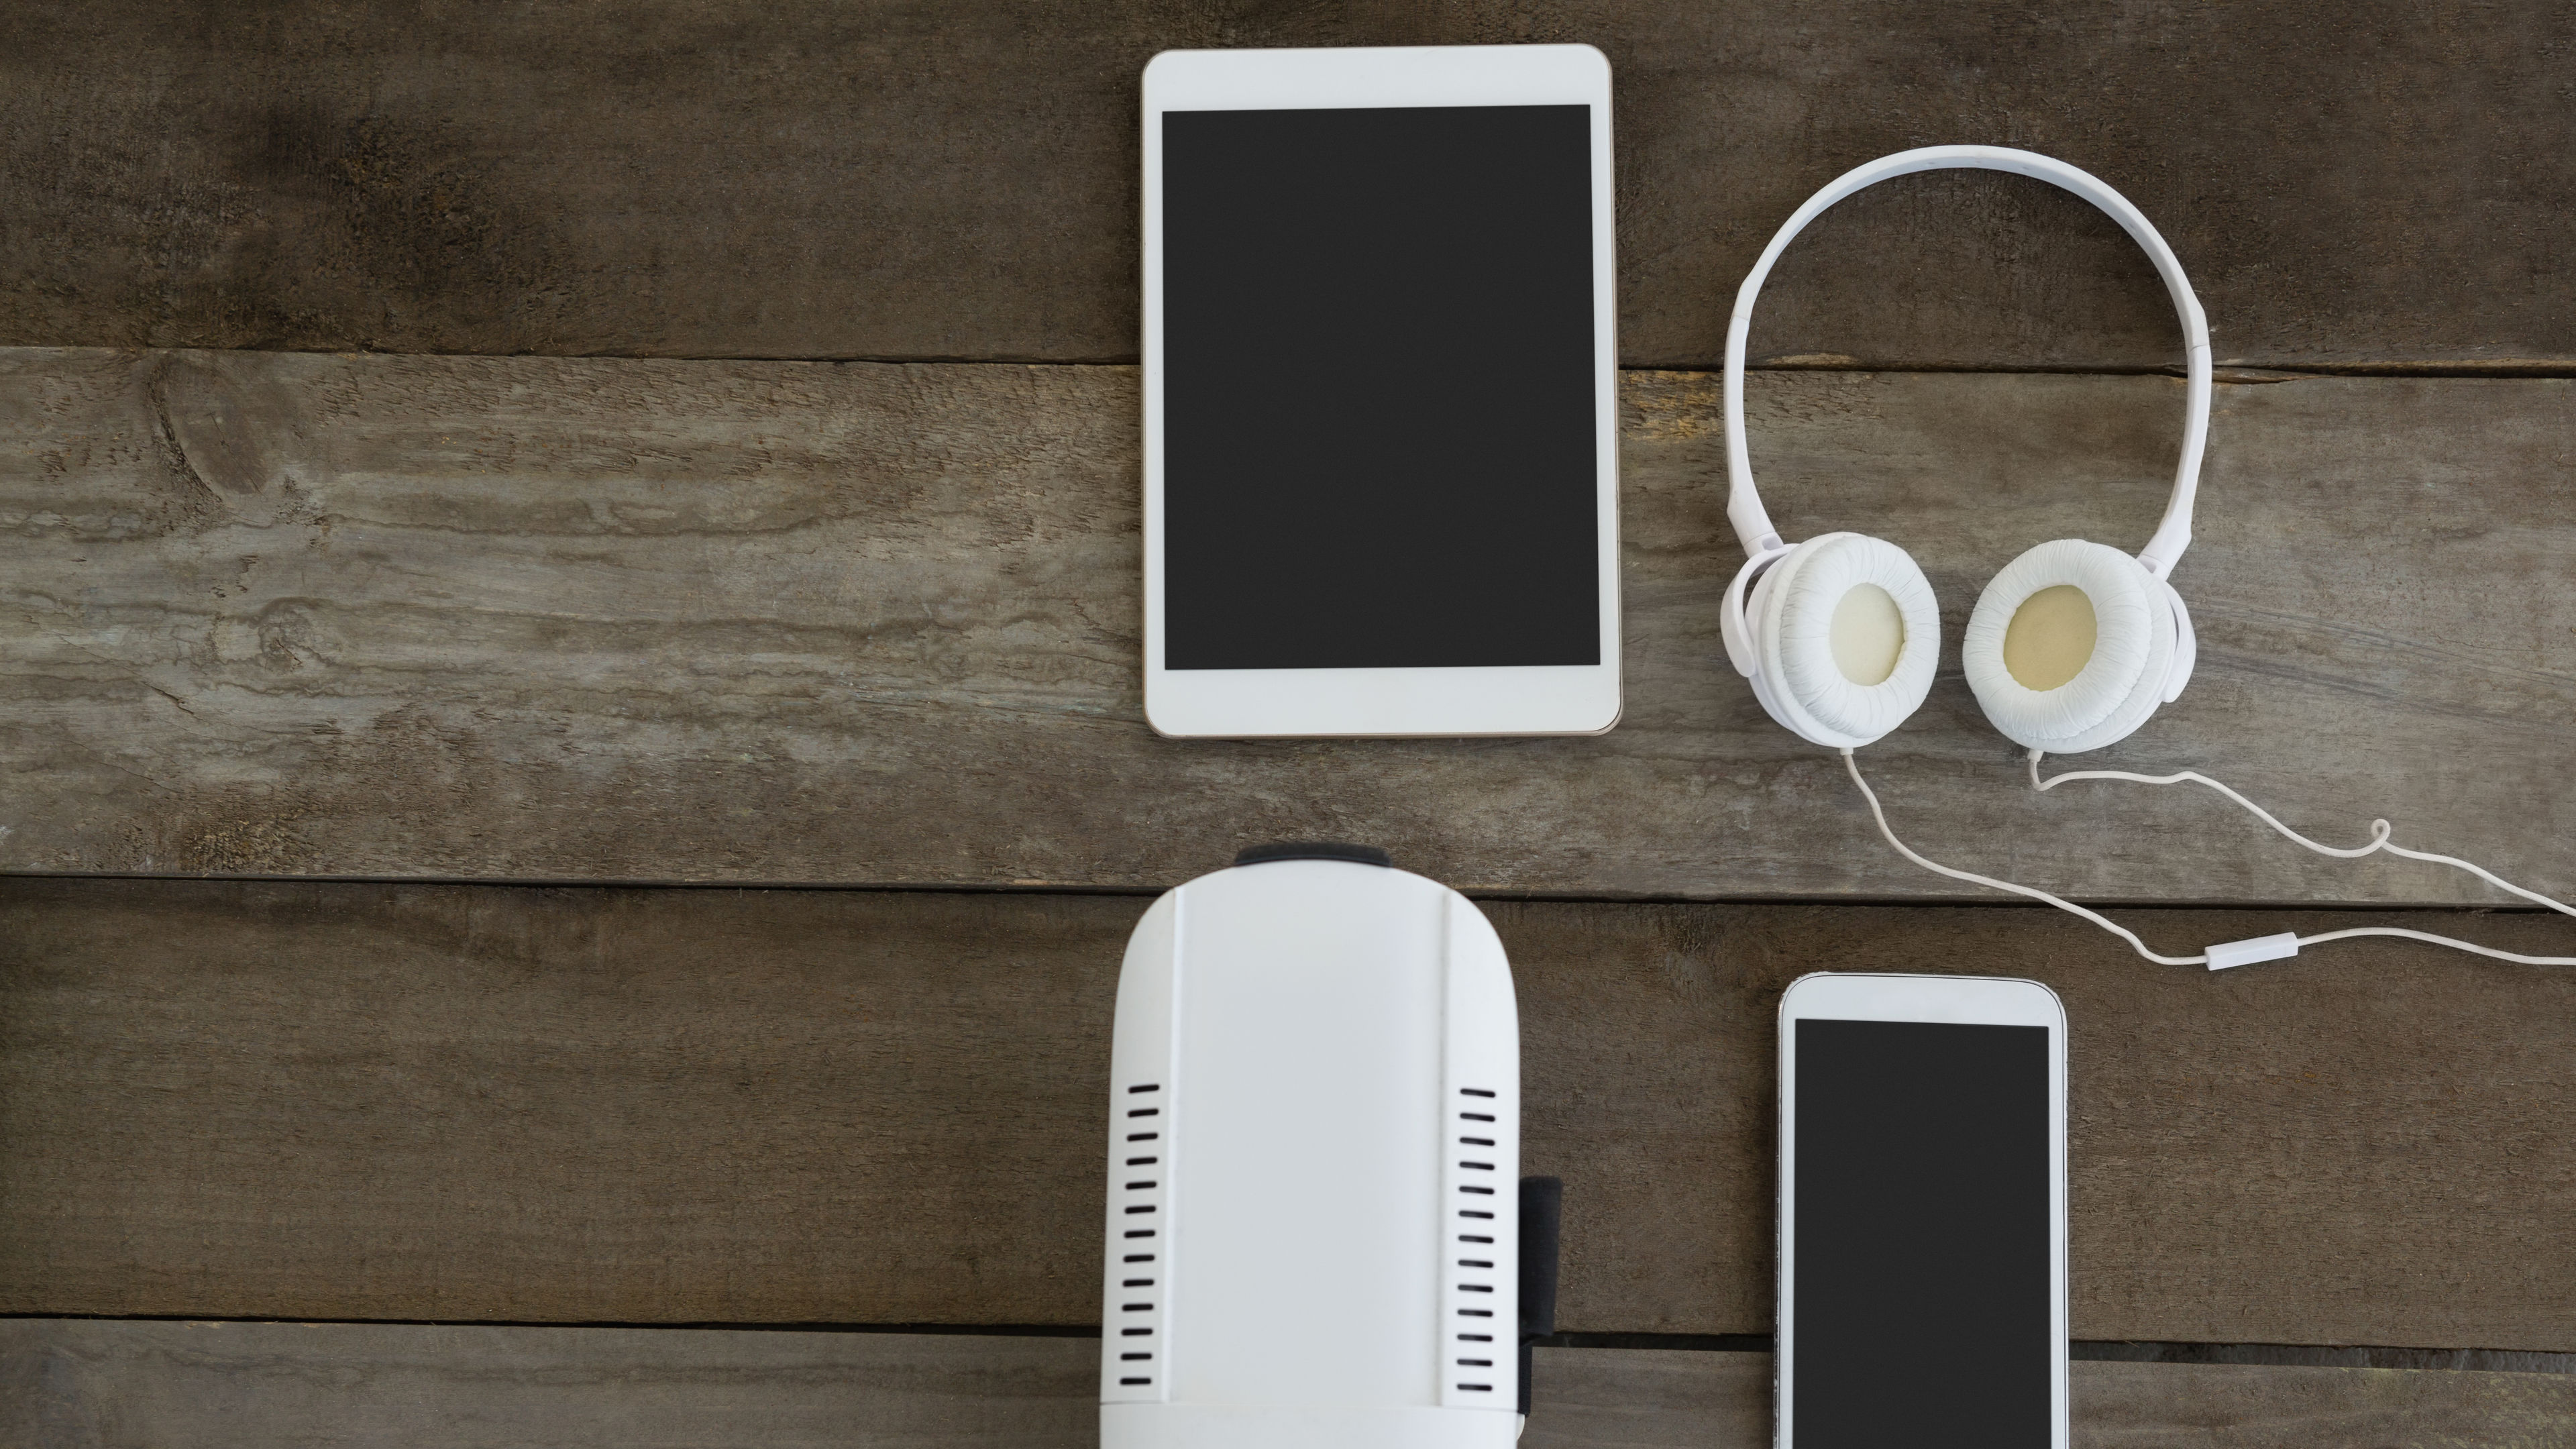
point(2227, 953)
point(2379, 841)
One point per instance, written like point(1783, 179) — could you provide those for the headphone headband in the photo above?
point(1744, 504)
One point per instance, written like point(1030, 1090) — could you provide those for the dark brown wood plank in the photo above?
point(113, 1385)
point(493, 1104)
point(942, 179)
point(549, 619)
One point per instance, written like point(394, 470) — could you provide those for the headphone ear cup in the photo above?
point(1794, 616)
point(2122, 679)
point(1765, 668)
point(2186, 644)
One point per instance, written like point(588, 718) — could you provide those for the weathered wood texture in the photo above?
point(104, 1385)
point(1660, 1399)
point(107, 1385)
point(2391, 182)
point(474, 1103)
point(550, 619)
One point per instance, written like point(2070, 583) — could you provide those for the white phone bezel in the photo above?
point(1966, 1000)
point(1346, 703)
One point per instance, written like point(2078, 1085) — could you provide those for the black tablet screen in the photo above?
point(1921, 1312)
point(1378, 421)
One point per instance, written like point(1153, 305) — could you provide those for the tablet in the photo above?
point(1381, 450)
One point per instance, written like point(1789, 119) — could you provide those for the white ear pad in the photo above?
point(2118, 687)
point(2186, 645)
point(1791, 619)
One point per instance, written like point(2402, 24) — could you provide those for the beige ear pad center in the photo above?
point(1869, 634)
point(2068, 649)
point(1824, 641)
point(2050, 639)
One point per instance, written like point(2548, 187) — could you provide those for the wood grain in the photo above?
point(493, 1104)
point(777, 622)
point(1651, 1399)
point(105, 1385)
point(947, 179)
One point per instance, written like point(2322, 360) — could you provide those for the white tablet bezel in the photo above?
point(1516, 700)
point(1966, 1000)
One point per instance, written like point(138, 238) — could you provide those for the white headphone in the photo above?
point(1782, 635)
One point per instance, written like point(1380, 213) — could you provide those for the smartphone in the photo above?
point(1380, 392)
point(1922, 1230)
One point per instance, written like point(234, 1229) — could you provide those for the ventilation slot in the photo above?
point(1133, 1300)
point(1477, 1291)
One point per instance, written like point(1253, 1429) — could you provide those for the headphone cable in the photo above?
point(2228, 953)
point(2378, 828)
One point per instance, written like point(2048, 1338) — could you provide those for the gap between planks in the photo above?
point(2278, 1355)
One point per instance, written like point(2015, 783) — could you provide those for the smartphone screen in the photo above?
point(1379, 431)
point(1921, 1300)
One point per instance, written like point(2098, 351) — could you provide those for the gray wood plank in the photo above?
point(957, 178)
point(1650, 1398)
point(107, 1385)
point(584, 619)
point(492, 1104)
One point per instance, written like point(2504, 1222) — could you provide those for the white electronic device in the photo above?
point(1314, 1139)
point(1922, 1204)
point(1381, 443)
point(2071, 647)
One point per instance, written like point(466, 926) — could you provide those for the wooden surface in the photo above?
point(599, 613)
point(517, 1105)
point(1657, 1399)
point(642, 620)
point(2388, 183)
point(105, 1385)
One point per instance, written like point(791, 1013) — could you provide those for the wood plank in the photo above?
point(1649, 1398)
point(548, 619)
point(957, 178)
point(111, 1385)
point(490, 1104)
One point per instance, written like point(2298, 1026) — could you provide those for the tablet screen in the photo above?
point(1378, 410)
